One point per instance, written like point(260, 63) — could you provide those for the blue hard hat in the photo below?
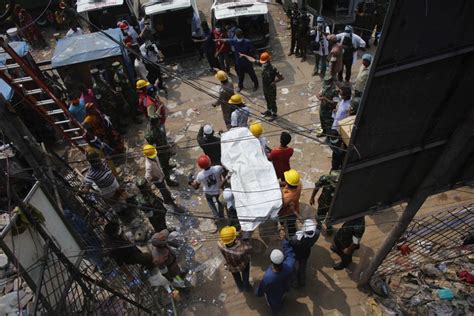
point(151, 89)
point(367, 57)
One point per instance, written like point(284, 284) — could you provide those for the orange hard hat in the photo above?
point(204, 161)
point(264, 57)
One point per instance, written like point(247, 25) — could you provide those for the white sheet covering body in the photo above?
point(253, 179)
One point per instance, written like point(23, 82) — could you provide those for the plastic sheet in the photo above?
point(253, 179)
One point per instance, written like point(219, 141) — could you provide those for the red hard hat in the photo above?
point(122, 25)
point(204, 161)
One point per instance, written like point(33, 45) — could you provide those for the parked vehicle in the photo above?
point(249, 15)
point(106, 13)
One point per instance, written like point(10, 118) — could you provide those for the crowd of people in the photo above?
point(114, 101)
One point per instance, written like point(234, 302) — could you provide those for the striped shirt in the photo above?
point(101, 176)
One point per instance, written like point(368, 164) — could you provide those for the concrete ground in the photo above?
point(328, 292)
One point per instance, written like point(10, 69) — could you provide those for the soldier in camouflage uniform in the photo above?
point(151, 205)
point(328, 183)
point(156, 136)
point(355, 102)
point(107, 98)
point(126, 92)
point(328, 92)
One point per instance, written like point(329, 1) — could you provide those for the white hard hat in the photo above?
point(277, 256)
point(309, 225)
point(208, 129)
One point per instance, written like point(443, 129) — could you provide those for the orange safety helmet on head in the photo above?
point(204, 161)
point(264, 57)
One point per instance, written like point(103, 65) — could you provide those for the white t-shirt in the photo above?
point(211, 179)
point(341, 113)
point(240, 116)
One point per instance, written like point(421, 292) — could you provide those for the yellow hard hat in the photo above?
point(228, 234)
point(221, 75)
point(235, 99)
point(292, 177)
point(256, 129)
point(142, 84)
point(150, 151)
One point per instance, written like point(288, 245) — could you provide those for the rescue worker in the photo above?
point(328, 104)
point(243, 46)
point(210, 144)
point(363, 75)
point(321, 48)
point(151, 205)
point(156, 135)
point(77, 107)
point(328, 184)
point(240, 115)
point(228, 201)
point(236, 253)
point(302, 243)
point(350, 43)
point(291, 193)
point(101, 127)
point(164, 257)
point(211, 177)
point(347, 240)
point(355, 102)
point(208, 46)
point(294, 19)
point(141, 86)
point(100, 175)
point(276, 280)
point(226, 91)
point(222, 50)
point(154, 106)
point(256, 129)
point(303, 32)
point(270, 77)
point(125, 90)
point(107, 99)
point(280, 156)
point(154, 174)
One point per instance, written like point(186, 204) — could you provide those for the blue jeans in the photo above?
point(218, 210)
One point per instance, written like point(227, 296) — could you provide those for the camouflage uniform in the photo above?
point(106, 97)
point(328, 184)
point(124, 89)
point(269, 74)
point(152, 205)
point(328, 92)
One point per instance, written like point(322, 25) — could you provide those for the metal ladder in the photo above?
point(41, 98)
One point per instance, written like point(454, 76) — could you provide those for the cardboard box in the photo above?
point(345, 128)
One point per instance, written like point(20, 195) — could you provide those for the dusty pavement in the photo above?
point(328, 292)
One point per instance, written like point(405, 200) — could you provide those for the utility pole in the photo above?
point(455, 155)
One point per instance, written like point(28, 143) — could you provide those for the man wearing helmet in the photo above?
point(154, 174)
point(226, 91)
point(210, 144)
point(211, 178)
point(270, 77)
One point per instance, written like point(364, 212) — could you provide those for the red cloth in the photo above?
point(221, 46)
point(281, 159)
point(466, 277)
point(141, 104)
point(158, 107)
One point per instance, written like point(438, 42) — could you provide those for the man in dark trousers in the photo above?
point(328, 183)
point(244, 46)
point(270, 77)
point(294, 19)
point(303, 30)
point(210, 144)
point(347, 240)
point(302, 243)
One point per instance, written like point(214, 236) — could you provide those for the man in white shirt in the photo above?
point(211, 179)
point(152, 57)
point(321, 48)
point(240, 116)
point(343, 108)
point(351, 43)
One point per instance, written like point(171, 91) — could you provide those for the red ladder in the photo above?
point(41, 98)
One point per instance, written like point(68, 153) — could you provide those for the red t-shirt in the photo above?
point(281, 159)
point(221, 46)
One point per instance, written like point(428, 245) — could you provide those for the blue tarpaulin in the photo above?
point(21, 48)
point(86, 47)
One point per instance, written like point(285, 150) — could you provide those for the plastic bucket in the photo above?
point(12, 34)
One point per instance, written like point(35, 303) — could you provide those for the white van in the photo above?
point(106, 13)
point(174, 21)
point(249, 15)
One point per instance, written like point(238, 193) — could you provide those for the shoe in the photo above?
point(255, 88)
point(172, 183)
point(273, 117)
point(238, 89)
point(291, 53)
point(266, 113)
point(340, 266)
